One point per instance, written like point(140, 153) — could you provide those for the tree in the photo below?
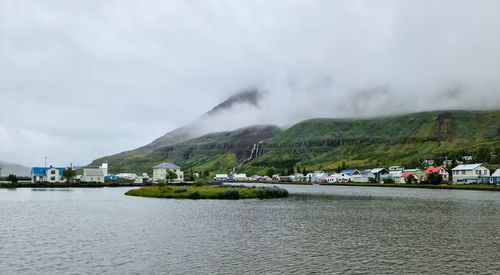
point(206, 173)
point(304, 171)
point(270, 172)
point(69, 174)
point(171, 175)
point(12, 178)
point(410, 179)
point(343, 165)
point(434, 178)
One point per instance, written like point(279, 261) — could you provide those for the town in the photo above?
point(461, 174)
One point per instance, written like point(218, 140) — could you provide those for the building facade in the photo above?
point(469, 173)
point(47, 174)
point(160, 171)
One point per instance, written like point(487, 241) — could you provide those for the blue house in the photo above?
point(493, 179)
point(49, 174)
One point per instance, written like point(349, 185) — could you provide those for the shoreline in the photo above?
point(474, 187)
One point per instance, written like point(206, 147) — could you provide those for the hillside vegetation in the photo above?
point(327, 143)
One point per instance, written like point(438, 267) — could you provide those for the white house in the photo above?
point(338, 177)
point(221, 177)
point(469, 173)
point(50, 174)
point(128, 176)
point(363, 176)
point(441, 170)
point(317, 176)
point(92, 175)
point(379, 173)
point(395, 175)
point(160, 171)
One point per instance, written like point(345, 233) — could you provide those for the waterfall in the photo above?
point(253, 154)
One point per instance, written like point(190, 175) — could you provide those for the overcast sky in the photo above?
point(84, 79)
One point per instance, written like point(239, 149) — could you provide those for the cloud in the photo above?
point(80, 80)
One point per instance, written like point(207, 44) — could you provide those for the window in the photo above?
point(463, 172)
point(478, 172)
point(52, 178)
point(91, 178)
point(53, 172)
point(486, 172)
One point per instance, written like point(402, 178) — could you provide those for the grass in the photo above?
point(209, 192)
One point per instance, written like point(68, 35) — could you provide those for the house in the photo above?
point(128, 176)
point(405, 176)
point(338, 177)
point(240, 177)
point(92, 175)
point(441, 170)
point(160, 171)
point(428, 162)
point(417, 172)
point(221, 177)
point(350, 172)
point(396, 168)
point(395, 175)
point(469, 173)
point(297, 177)
point(317, 176)
point(363, 176)
point(493, 179)
point(379, 173)
point(50, 174)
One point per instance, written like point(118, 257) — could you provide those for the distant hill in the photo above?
point(398, 140)
point(326, 143)
point(16, 169)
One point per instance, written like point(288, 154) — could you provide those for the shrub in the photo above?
point(271, 192)
point(389, 180)
point(434, 178)
point(12, 178)
point(372, 180)
point(181, 190)
point(199, 182)
point(195, 195)
point(231, 194)
point(160, 183)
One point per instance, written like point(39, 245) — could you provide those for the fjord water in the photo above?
point(318, 229)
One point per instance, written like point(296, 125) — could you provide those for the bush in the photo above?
point(271, 192)
point(372, 180)
point(195, 195)
point(12, 178)
point(389, 180)
point(199, 182)
point(434, 178)
point(231, 194)
point(160, 183)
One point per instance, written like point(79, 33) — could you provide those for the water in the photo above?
point(318, 229)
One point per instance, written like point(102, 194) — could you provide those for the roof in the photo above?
point(42, 171)
point(240, 175)
point(349, 172)
point(496, 174)
point(405, 175)
point(93, 172)
point(378, 170)
point(221, 175)
point(433, 169)
point(166, 165)
point(467, 166)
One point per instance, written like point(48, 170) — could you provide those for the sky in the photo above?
point(83, 79)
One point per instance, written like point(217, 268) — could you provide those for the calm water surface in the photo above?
point(318, 229)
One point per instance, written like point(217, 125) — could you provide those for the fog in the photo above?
point(83, 79)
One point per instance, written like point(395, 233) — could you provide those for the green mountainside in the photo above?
point(327, 143)
point(400, 140)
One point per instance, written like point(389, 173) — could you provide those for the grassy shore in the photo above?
point(481, 187)
point(209, 192)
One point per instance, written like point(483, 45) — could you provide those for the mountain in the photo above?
point(397, 140)
point(194, 129)
point(326, 143)
point(16, 169)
